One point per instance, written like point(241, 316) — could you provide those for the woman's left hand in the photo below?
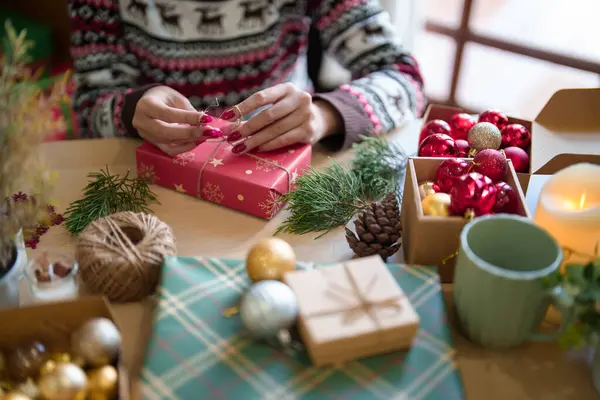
point(293, 117)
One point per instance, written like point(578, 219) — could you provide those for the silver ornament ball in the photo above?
point(268, 308)
point(485, 135)
point(98, 342)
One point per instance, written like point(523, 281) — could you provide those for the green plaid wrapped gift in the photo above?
point(195, 352)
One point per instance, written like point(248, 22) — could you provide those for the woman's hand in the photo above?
point(168, 120)
point(293, 117)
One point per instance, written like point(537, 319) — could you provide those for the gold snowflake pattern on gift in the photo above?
point(212, 192)
point(271, 205)
point(184, 158)
point(267, 165)
point(147, 173)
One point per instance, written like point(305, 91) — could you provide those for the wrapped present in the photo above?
point(352, 310)
point(252, 182)
point(194, 348)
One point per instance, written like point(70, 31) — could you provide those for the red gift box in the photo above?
point(251, 183)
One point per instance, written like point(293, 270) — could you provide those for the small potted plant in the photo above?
point(25, 120)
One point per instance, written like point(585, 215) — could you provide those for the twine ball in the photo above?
point(120, 256)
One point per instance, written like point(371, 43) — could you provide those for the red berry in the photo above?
point(460, 125)
point(449, 171)
point(438, 145)
point(496, 117)
point(491, 163)
point(434, 126)
point(463, 147)
point(506, 199)
point(516, 135)
point(518, 157)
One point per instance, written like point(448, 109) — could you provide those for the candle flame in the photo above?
point(582, 201)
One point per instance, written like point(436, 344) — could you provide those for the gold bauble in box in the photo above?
point(102, 383)
point(98, 342)
point(436, 205)
point(15, 396)
point(270, 258)
point(426, 188)
point(24, 361)
point(66, 382)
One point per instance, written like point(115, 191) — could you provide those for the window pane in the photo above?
point(516, 84)
point(445, 12)
point(435, 54)
point(563, 26)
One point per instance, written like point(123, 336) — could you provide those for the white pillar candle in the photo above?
point(569, 209)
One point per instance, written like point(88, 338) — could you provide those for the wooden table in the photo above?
point(535, 371)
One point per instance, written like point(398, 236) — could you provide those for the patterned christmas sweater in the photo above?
point(226, 50)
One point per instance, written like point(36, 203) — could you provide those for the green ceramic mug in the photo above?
point(499, 295)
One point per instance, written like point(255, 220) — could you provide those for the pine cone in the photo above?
point(378, 229)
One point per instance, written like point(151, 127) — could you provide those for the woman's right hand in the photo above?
point(167, 119)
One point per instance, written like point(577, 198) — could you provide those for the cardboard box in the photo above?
point(51, 322)
point(352, 310)
point(432, 240)
point(565, 132)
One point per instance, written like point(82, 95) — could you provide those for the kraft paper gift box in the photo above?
point(352, 310)
point(251, 183)
point(428, 240)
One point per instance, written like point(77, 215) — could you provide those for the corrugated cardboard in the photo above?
point(431, 240)
point(51, 322)
point(352, 310)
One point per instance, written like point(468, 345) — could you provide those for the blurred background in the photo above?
point(508, 54)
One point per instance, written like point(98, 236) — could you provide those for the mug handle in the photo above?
point(562, 301)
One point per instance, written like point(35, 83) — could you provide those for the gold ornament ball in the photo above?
point(102, 382)
point(270, 259)
point(98, 342)
point(48, 367)
point(436, 205)
point(66, 382)
point(484, 135)
point(426, 188)
point(15, 396)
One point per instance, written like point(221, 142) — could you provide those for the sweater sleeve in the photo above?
point(386, 87)
point(105, 73)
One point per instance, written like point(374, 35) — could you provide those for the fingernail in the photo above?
point(206, 119)
point(213, 133)
point(239, 148)
point(229, 114)
point(234, 136)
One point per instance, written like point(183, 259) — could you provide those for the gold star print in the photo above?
point(216, 162)
point(179, 188)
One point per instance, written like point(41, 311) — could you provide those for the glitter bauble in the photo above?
point(25, 361)
point(427, 188)
point(463, 148)
point(518, 157)
point(270, 259)
point(268, 308)
point(506, 199)
point(66, 382)
point(485, 135)
point(438, 145)
point(449, 171)
point(460, 125)
point(102, 383)
point(491, 163)
point(98, 342)
point(433, 127)
point(516, 135)
point(473, 192)
point(436, 205)
point(495, 117)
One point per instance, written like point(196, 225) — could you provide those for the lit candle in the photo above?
point(569, 209)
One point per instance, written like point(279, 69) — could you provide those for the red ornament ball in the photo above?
point(495, 117)
point(438, 145)
point(491, 163)
point(519, 158)
point(475, 192)
point(463, 147)
point(433, 127)
point(448, 173)
point(506, 199)
point(460, 125)
point(516, 135)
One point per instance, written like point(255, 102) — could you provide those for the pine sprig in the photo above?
point(106, 194)
point(322, 200)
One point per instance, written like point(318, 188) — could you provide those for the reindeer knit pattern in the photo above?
point(226, 50)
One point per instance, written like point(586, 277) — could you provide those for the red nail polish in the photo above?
point(234, 136)
point(229, 114)
point(206, 119)
point(239, 148)
point(213, 133)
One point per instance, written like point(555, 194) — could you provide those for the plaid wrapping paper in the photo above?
point(197, 353)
